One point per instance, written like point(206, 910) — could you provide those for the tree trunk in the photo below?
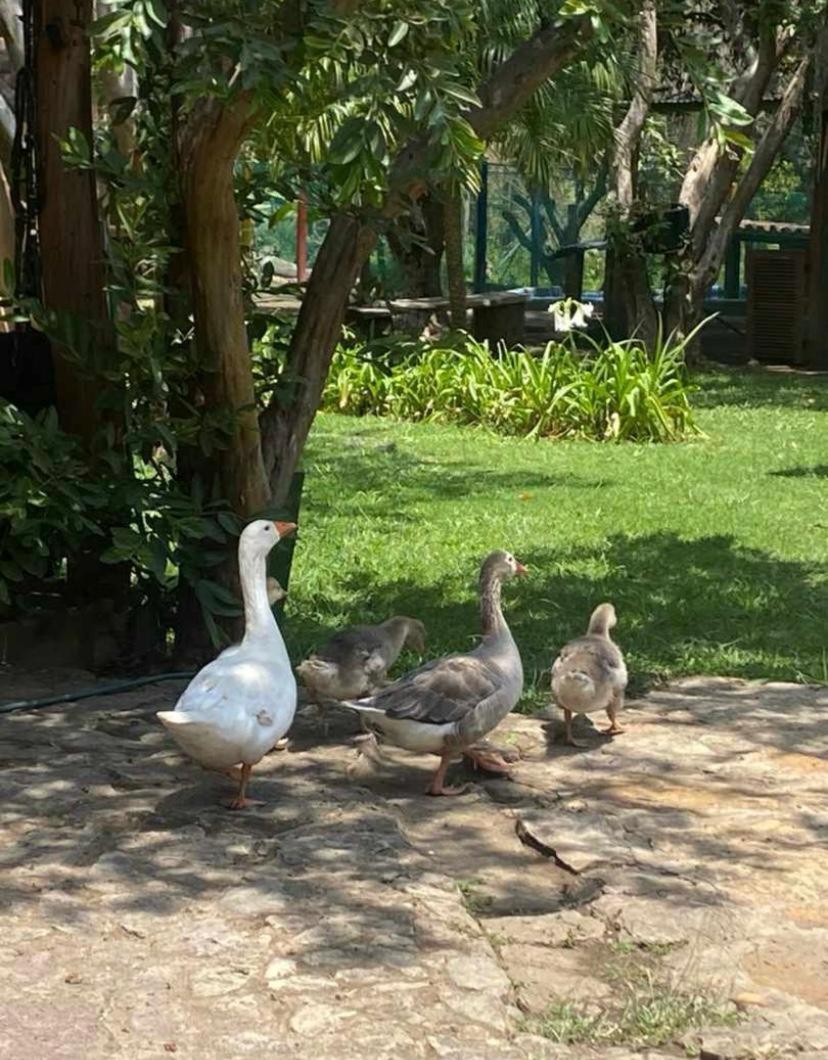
point(697, 268)
point(816, 343)
point(73, 260)
point(289, 416)
point(416, 240)
point(209, 149)
point(628, 273)
point(7, 235)
point(71, 242)
point(455, 271)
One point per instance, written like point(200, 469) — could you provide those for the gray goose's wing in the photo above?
point(445, 690)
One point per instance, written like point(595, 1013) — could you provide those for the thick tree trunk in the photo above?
point(71, 243)
point(695, 270)
point(416, 240)
point(289, 416)
point(72, 255)
point(629, 281)
point(455, 271)
point(208, 153)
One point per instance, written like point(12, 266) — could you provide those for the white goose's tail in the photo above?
point(198, 739)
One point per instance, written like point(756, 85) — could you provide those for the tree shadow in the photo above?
point(817, 471)
point(705, 605)
point(761, 388)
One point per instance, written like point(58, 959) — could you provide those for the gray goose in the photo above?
point(355, 662)
point(590, 673)
point(449, 704)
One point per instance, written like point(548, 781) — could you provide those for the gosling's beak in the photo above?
point(520, 569)
point(283, 529)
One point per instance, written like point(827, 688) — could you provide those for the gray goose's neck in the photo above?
point(491, 615)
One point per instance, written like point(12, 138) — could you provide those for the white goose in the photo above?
point(240, 705)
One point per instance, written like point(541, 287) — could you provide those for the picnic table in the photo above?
point(497, 316)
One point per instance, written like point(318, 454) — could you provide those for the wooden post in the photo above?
point(301, 238)
point(482, 229)
point(816, 340)
point(536, 238)
point(733, 268)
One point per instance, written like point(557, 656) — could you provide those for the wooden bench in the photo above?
point(497, 316)
point(369, 321)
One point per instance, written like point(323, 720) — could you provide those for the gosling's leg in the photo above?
point(239, 802)
point(570, 739)
point(615, 706)
point(437, 786)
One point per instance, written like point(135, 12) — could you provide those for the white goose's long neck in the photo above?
point(259, 623)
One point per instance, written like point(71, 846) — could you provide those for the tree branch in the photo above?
point(599, 190)
point(510, 85)
point(7, 127)
point(713, 167)
point(11, 30)
point(628, 133)
point(763, 158)
point(348, 244)
point(514, 227)
point(515, 81)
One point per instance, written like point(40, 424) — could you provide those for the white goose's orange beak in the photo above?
point(520, 569)
point(283, 529)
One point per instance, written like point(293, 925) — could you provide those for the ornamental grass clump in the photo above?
point(618, 390)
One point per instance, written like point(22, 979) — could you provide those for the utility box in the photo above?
point(776, 305)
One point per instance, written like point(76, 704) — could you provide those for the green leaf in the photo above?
point(406, 81)
point(397, 34)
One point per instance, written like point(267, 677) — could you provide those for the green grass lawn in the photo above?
point(714, 552)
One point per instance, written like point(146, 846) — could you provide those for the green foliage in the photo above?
point(652, 1015)
point(49, 502)
point(620, 391)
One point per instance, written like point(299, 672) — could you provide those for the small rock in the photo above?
point(318, 1019)
point(476, 973)
point(217, 981)
point(279, 968)
point(746, 999)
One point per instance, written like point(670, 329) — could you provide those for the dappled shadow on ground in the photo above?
point(689, 606)
point(762, 388)
point(343, 880)
point(99, 813)
point(384, 479)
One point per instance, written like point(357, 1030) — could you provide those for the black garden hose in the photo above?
point(100, 690)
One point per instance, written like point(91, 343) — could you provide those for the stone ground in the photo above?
point(346, 915)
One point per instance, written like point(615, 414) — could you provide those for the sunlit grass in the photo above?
point(714, 551)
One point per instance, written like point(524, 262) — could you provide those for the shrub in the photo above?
point(618, 391)
point(48, 500)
